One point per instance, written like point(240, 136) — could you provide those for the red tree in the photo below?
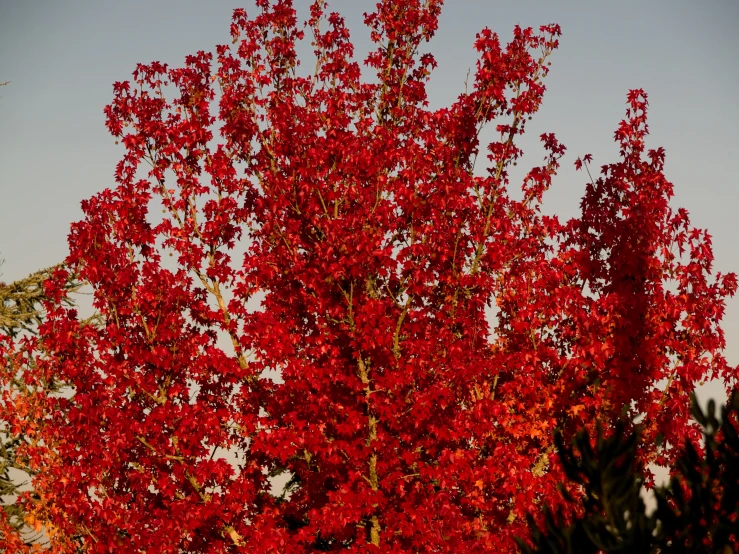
point(336, 233)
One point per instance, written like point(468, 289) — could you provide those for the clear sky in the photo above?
point(63, 56)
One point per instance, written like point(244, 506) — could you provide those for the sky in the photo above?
point(62, 58)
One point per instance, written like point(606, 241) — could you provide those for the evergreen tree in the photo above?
point(697, 511)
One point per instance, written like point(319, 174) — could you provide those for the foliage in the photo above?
point(344, 289)
point(612, 515)
point(21, 312)
point(697, 512)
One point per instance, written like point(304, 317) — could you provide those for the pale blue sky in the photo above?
point(63, 56)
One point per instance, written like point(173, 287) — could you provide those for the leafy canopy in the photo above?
point(317, 275)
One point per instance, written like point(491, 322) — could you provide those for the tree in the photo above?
point(697, 511)
point(611, 515)
point(21, 312)
point(315, 301)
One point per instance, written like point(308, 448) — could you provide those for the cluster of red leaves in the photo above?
point(428, 330)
